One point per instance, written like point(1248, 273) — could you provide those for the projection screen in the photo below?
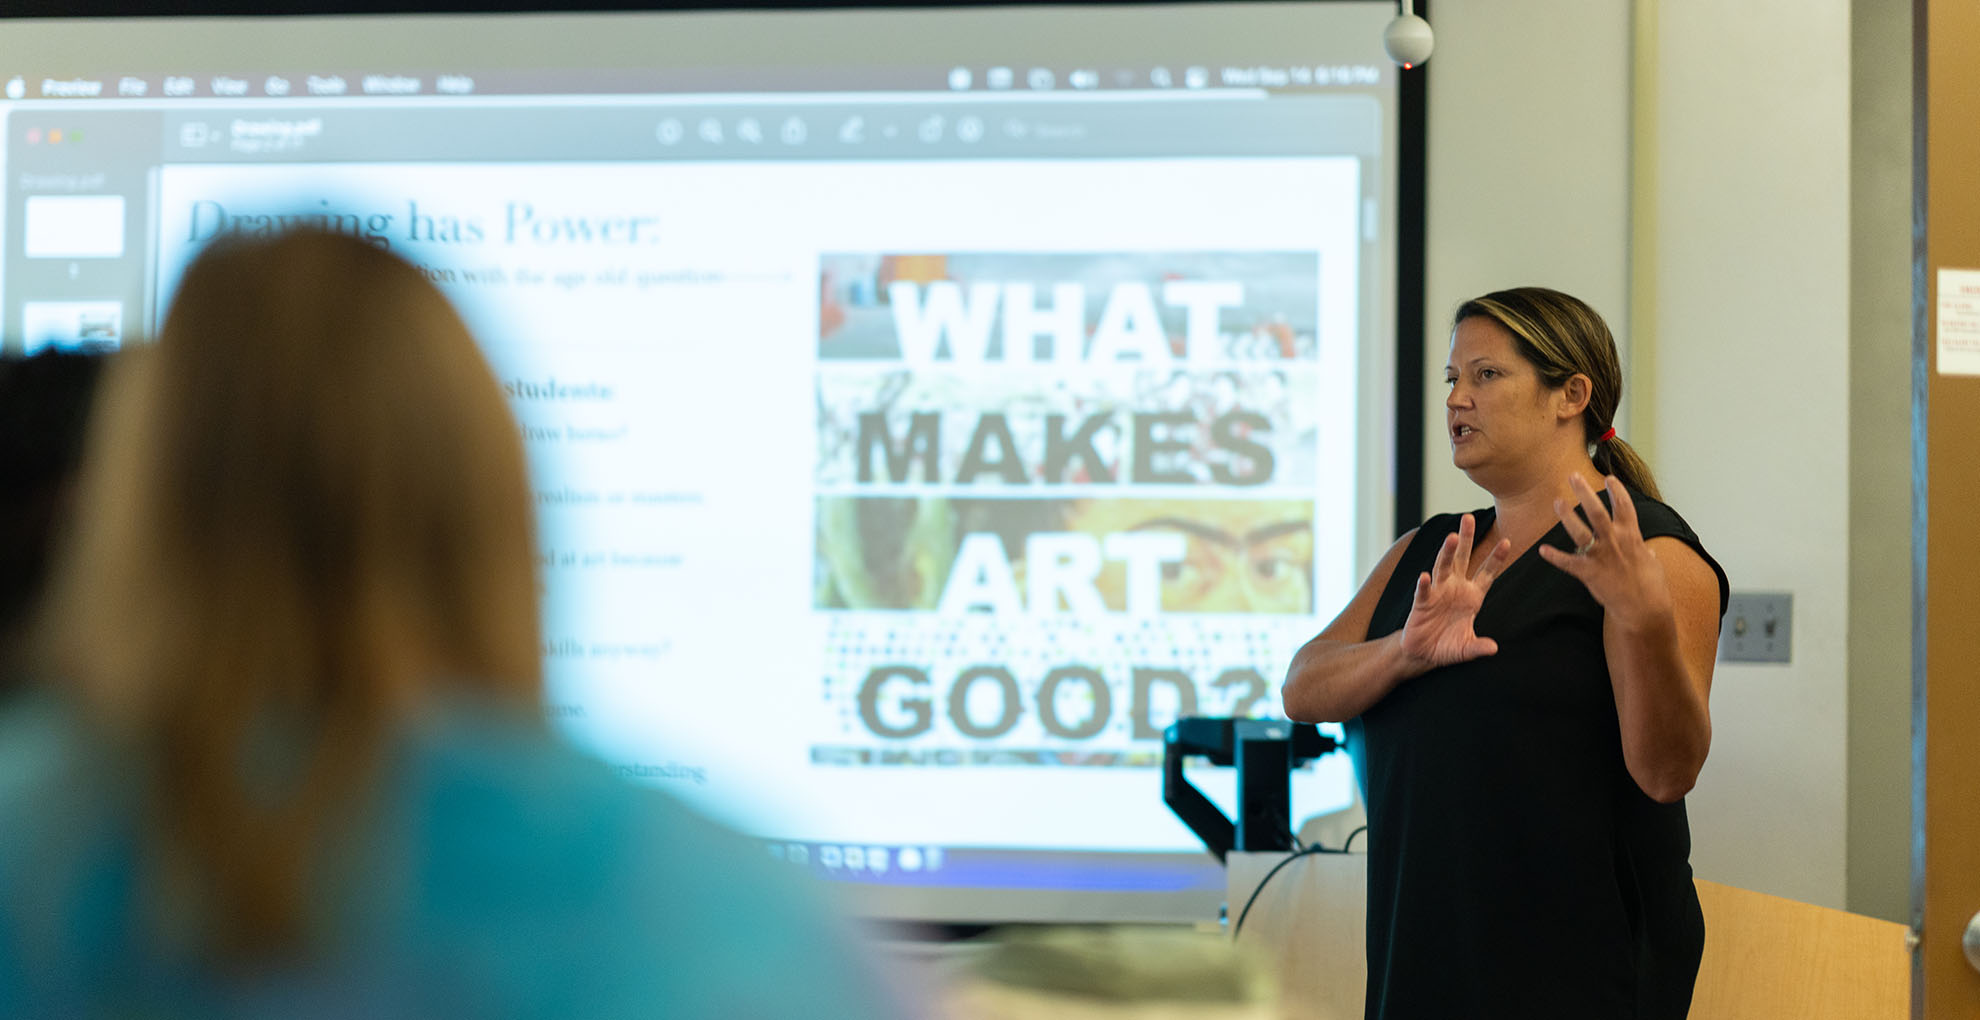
point(925, 406)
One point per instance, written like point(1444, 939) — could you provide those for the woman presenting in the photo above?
point(1525, 690)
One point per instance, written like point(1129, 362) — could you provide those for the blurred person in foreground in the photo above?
point(44, 403)
point(308, 773)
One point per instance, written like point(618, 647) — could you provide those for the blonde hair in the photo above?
point(1562, 337)
point(305, 512)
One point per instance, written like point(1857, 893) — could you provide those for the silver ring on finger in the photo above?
point(1583, 548)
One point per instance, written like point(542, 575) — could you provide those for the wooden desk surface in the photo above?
point(1766, 958)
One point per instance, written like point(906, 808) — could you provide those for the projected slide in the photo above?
point(907, 454)
point(1064, 498)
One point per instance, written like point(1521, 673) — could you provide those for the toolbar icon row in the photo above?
point(1044, 79)
point(748, 130)
point(855, 129)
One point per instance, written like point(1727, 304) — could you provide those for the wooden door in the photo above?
point(1946, 534)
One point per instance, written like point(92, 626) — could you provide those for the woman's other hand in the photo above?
point(1610, 557)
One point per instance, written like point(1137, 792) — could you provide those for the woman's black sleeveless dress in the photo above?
point(1515, 869)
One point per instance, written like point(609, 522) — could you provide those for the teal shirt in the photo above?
point(499, 874)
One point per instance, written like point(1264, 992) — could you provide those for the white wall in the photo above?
point(1528, 179)
point(1747, 416)
point(1752, 412)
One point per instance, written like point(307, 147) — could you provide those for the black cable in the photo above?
point(1316, 848)
point(1246, 912)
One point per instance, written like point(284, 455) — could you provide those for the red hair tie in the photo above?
point(1606, 436)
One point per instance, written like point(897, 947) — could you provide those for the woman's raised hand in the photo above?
point(1439, 630)
point(1610, 556)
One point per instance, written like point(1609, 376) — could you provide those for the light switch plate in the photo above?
point(1759, 627)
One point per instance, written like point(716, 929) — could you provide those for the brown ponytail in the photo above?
point(1615, 457)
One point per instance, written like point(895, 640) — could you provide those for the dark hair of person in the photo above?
point(44, 405)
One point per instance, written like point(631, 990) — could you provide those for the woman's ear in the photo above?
point(1575, 394)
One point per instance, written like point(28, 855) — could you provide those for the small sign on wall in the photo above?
point(1959, 322)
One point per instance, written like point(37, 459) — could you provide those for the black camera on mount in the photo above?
point(1264, 751)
